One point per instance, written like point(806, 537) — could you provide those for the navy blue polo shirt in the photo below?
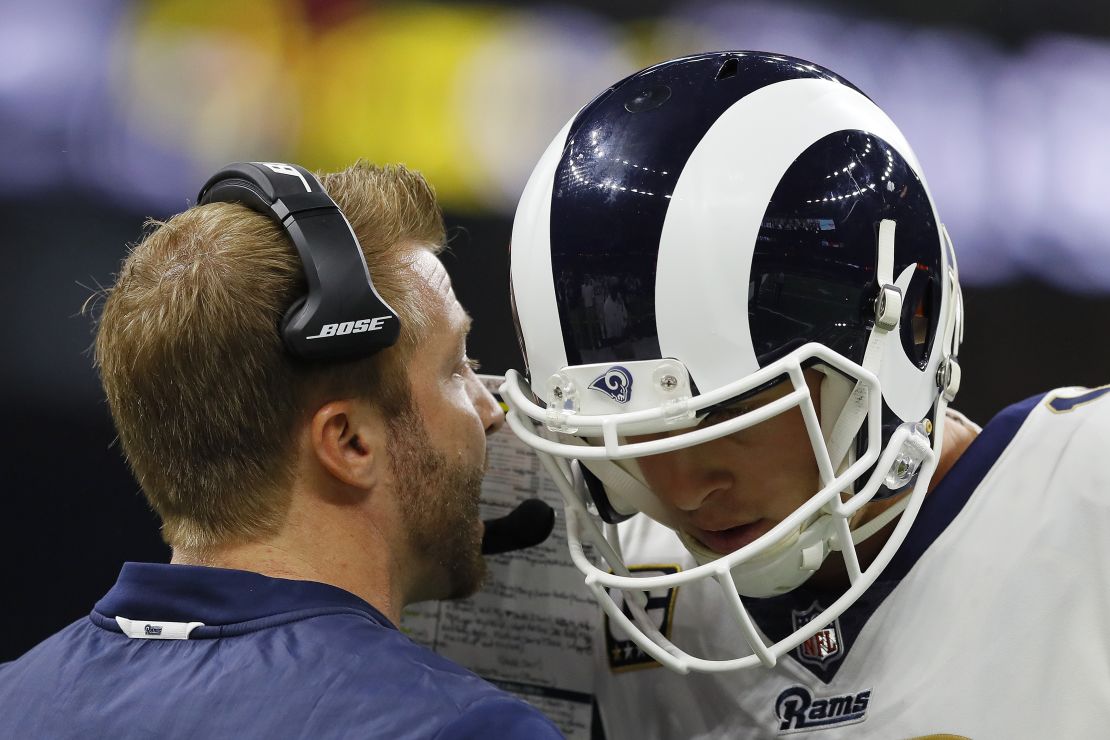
point(269, 658)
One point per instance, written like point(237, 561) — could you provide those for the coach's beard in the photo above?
point(439, 507)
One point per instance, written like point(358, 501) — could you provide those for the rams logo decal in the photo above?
point(616, 382)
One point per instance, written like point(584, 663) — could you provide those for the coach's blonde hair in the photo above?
point(204, 398)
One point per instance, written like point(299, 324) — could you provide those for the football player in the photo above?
point(827, 546)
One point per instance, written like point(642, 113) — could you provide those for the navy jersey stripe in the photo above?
point(623, 156)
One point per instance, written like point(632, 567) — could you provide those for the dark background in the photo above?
point(71, 513)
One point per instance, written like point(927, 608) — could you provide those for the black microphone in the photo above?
point(528, 524)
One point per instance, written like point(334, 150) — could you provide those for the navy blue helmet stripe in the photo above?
point(623, 156)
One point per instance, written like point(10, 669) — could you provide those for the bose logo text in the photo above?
point(350, 327)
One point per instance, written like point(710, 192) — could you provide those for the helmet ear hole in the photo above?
point(605, 508)
point(918, 325)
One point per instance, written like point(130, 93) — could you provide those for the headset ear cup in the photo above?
point(288, 319)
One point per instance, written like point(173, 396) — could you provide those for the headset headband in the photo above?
point(342, 316)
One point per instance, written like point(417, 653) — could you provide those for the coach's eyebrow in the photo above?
point(462, 330)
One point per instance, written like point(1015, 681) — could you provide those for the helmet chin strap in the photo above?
point(628, 487)
point(867, 529)
point(836, 389)
point(625, 485)
point(786, 565)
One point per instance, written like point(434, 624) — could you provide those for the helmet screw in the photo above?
point(944, 374)
point(668, 382)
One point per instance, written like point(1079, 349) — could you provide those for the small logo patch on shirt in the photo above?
point(146, 630)
point(798, 710)
point(825, 645)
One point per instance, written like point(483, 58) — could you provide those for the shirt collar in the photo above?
point(216, 596)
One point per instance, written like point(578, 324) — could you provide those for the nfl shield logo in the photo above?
point(825, 646)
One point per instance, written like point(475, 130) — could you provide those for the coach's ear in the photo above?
point(348, 439)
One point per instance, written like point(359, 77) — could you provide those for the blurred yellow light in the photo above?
point(213, 79)
point(385, 87)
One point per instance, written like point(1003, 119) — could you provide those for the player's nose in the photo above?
point(687, 480)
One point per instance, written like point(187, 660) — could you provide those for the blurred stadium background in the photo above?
point(115, 111)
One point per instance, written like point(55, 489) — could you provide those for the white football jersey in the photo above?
point(992, 621)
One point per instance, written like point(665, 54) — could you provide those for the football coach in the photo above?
point(286, 366)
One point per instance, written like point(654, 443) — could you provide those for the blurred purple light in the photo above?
point(1014, 145)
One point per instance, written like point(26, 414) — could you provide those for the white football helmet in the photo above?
point(702, 230)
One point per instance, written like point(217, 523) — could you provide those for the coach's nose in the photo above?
point(489, 409)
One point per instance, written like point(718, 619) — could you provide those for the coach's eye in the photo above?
point(468, 365)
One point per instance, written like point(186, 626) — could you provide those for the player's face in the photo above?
point(438, 449)
point(728, 492)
